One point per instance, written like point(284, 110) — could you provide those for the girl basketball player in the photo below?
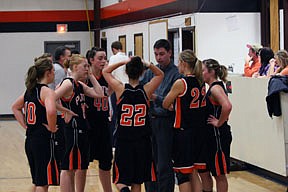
point(190, 122)
point(72, 94)
point(133, 154)
point(219, 132)
point(98, 117)
point(39, 120)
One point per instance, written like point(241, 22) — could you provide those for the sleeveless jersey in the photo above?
point(133, 120)
point(76, 103)
point(35, 113)
point(213, 107)
point(98, 108)
point(190, 106)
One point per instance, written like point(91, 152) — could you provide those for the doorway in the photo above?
point(104, 44)
point(138, 45)
point(188, 38)
point(122, 39)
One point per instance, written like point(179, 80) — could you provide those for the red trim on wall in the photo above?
point(129, 6)
point(45, 16)
point(124, 7)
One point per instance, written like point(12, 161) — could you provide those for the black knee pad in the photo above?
point(182, 178)
point(125, 189)
point(105, 165)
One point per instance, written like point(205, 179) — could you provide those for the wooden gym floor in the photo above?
point(15, 176)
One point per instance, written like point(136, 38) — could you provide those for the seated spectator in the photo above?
point(268, 67)
point(252, 64)
point(281, 58)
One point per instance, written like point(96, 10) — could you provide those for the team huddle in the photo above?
point(166, 122)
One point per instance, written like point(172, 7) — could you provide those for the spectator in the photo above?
point(281, 58)
point(268, 68)
point(252, 64)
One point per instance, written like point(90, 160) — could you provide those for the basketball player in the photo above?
point(39, 121)
point(98, 117)
point(133, 155)
point(190, 122)
point(72, 94)
point(219, 132)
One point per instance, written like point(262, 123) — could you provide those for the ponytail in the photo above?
point(220, 70)
point(195, 64)
point(36, 72)
point(31, 79)
point(66, 63)
point(197, 71)
point(223, 73)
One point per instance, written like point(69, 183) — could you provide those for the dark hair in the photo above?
point(44, 55)
point(90, 54)
point(116, 45)
point(60, 51)
point(134, 68)
point(195, 64)
point(36, 72)
point(265, 54)
point(220, 70)
point(162, 43)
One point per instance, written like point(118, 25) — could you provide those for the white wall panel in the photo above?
point(257, 139)
point(113, 34)
point(36, 5)
point(17, 53)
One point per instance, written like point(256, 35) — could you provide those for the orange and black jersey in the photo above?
point(133, 120)
point(98, 108)
point(190, 106)
point(219, 139)
point(213, 107)
point(35, 113)
point(76, 103)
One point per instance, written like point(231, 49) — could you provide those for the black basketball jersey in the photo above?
point(190, 106)
point(133, 118)
point(76, 103)
point(213, 107)
point(35, 113)
point(98, 108)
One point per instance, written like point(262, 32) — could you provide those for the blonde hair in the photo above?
point(75, 59)
point(220, 70)
point(283, 57)
point(195, 64)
